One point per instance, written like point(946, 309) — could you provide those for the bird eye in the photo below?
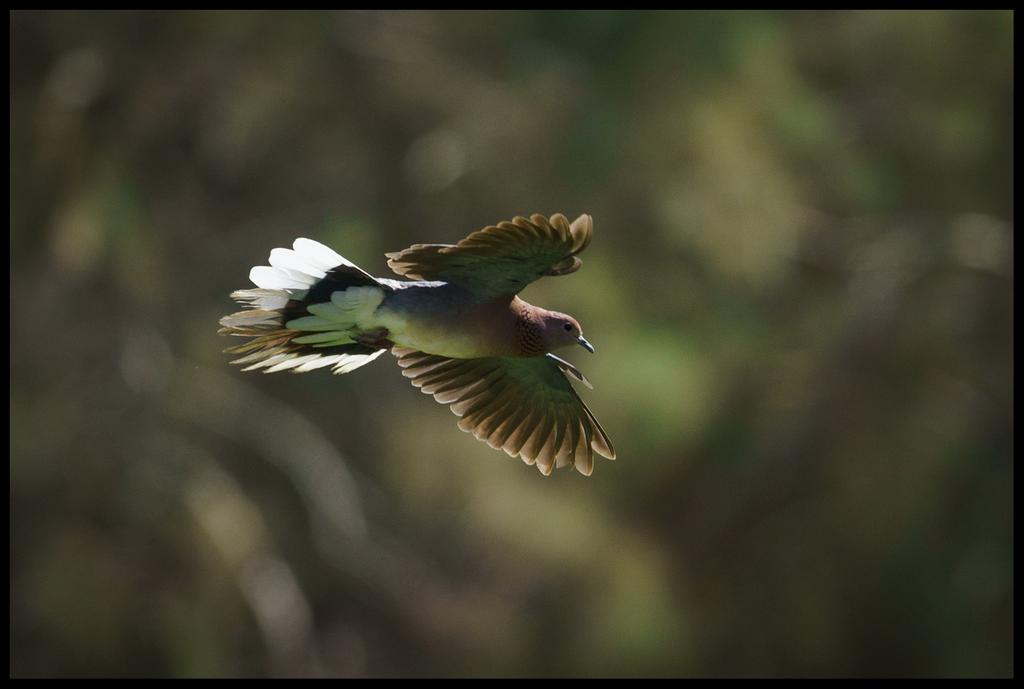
point(568, 327)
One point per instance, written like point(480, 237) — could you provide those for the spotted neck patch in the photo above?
point(530, 332)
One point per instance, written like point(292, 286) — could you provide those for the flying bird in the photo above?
point(456, 325)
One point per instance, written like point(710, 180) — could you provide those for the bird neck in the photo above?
point(529, 328)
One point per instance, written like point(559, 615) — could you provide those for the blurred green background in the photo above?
point(800, 291)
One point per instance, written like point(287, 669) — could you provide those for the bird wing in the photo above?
point(502, 259)
point(524, 406)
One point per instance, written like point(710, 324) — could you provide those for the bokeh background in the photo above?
point(800, 291)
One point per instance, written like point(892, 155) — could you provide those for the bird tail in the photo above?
point(284, 316)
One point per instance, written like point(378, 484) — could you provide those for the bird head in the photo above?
point(562, 330)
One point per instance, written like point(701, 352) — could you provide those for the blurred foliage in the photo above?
point(799, 291)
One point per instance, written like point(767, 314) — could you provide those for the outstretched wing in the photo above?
point(524, 406)
point(500, 259)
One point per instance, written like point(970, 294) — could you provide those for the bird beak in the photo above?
point(586, 345)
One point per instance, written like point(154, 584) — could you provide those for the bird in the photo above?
point(455, 324)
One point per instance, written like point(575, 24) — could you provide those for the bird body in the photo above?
point(465, 337)
point(445, 319)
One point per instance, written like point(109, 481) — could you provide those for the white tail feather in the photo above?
point(264, 299)
point(354, 361)
point(318, 255)
point(276, 278)
point(292, 273)
point(289, 260)
point(299, 268)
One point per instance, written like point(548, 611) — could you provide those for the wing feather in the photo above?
point(584, 458)
point(526, 407)
point(500, 260)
